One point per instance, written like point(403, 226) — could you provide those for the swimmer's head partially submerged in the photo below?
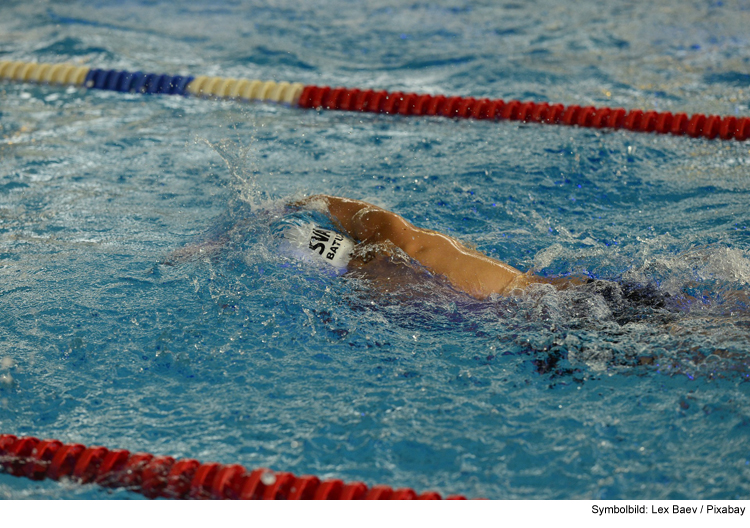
point(313, 243)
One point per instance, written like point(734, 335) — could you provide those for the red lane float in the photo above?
point(355, 100)
point(163, 476)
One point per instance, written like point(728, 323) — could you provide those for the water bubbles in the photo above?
point(6, 380)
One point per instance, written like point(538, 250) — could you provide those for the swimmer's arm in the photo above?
point(467, 269)
point(342, 210)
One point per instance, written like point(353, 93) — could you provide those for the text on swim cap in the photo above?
point(320, 237)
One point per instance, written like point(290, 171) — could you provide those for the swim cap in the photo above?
point(315, 243)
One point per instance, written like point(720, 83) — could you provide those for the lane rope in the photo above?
point(152, 83)
point(380, 101)
point(163, 476)
point(697, 125)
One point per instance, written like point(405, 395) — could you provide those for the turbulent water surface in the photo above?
point(113, 333)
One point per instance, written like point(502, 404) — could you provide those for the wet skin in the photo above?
point(466, 269)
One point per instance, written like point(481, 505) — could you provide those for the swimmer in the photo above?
point(369, 236)
point(370, 226)
point(374, 230)
point(367, 232)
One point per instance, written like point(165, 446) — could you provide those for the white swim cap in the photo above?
point(312, 242)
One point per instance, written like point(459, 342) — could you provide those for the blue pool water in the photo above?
point(245, 356)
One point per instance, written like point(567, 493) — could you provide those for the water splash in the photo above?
point(244, 179)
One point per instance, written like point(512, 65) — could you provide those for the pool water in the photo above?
point(242, 355)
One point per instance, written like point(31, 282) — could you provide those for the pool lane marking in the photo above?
point(381, 101)
point(163, 476)
point(250, 90)
point(65, 74)
point(412, 104)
